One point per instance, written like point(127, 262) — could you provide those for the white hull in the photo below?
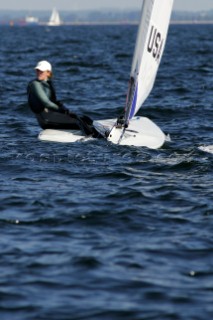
point(208, 149)
point(63, 136)
point(141, 132)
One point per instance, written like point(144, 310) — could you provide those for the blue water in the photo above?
point(93, 230)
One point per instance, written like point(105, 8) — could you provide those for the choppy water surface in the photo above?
point(98, 231)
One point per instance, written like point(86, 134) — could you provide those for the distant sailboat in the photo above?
point(54, 18)
point(30, 20)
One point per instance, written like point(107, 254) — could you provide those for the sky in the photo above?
point(31, 5)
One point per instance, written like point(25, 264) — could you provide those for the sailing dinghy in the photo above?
point(150, 43)
point(134, 130)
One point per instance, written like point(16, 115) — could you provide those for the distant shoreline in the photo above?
point(98, 17)
point(102, 23)
point(89, 23)
point(192, 22)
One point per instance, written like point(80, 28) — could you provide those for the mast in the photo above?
point(147, 6)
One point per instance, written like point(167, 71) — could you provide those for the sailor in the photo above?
point(50, 112)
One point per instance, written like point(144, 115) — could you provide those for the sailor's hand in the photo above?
point(60, 104)
point(63, 109)
point(72, 115)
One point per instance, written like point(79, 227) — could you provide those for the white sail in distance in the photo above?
point(55, 18)
point(150, 43)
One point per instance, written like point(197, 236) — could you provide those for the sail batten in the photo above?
point(150, 43)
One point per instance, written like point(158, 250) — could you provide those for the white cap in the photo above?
point(43, 66)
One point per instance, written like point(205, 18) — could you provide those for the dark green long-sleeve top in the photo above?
point(41, 95)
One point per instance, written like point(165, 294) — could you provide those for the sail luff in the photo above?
point(151, 38)
point(145, 15)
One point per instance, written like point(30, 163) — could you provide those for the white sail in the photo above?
point(55, 18)
point(151, 39)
